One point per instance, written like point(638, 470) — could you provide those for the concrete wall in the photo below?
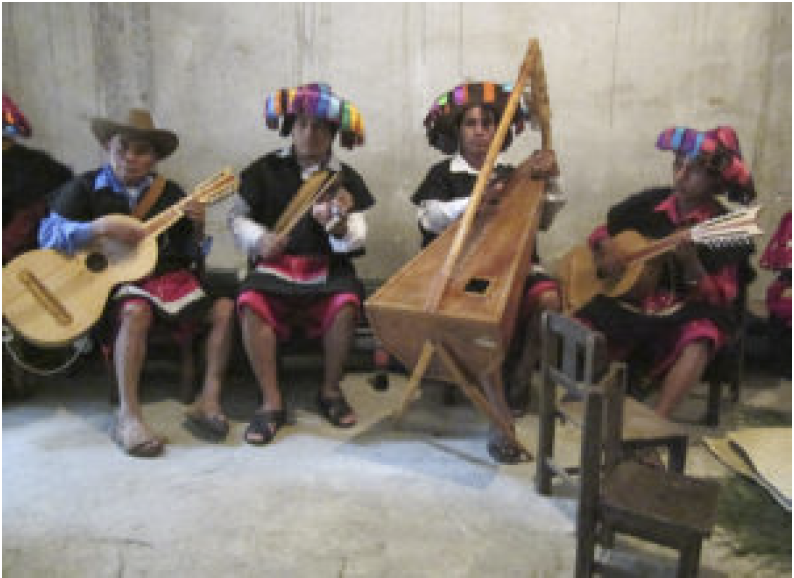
point(617, 75)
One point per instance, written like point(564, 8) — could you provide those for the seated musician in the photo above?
point(28, 176)
point(777, 258)
point(301, 280)
point(89, 207)
point(681, 314)
point(463, 122)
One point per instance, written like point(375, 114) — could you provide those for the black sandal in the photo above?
point(504, 451)
point(335, 409)
point(265, 423)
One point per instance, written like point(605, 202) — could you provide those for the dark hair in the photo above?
point(289, 122)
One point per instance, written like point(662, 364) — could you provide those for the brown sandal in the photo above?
point(137, 446)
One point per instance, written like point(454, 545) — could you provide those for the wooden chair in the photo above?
point(573, 357)
point(626, 497)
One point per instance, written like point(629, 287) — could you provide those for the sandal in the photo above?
point(265, 423)
point(212, 428)
point(137, 443)
point(335, 410)
point(504, 451)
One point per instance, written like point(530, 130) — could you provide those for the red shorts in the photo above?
point(284, 312)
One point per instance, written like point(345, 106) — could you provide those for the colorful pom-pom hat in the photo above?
point(14, 122)
point(443, 119)
point(318, 101)
point(719, 149)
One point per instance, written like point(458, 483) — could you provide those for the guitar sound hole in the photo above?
point(96, 262)
point(477, 285)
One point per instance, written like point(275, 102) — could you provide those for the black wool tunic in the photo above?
point(77, 200)
point(268, 185)
point(627, 325)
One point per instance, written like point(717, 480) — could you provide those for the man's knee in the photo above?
point(222, 313)
point(700, 348)
point(136, 316)
point(550, 301)
point(346, 317)
point(253, 326)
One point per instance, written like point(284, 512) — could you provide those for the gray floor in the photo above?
point(421, 498)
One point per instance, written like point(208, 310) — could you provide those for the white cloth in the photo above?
point(434, 215)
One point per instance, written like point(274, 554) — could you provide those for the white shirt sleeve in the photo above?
point(355, 237)
point(435, 216)
point(246, 232)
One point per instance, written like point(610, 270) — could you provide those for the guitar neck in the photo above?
point(165, 219)
point(209, 191)
point(657, 247)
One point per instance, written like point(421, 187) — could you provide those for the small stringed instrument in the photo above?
point(316, 187)
point(581, 280)
point(51, 298)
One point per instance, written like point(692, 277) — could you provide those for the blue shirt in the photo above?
point(67, 236)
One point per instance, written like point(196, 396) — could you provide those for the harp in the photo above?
point(450, 312)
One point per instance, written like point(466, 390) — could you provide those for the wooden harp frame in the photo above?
point(425, 314)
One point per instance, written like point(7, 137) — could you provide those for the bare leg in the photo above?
point(129, 353)
point(518, 382)
point(261, 345)
point(187, 374)
point(683, 376)
point(219, 346)
point(500, 446)
point(336, 345)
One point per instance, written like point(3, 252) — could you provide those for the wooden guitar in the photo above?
point(581, 280)
point(51, 298)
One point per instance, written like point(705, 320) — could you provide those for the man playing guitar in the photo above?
point(676, 319)
point(90, 207)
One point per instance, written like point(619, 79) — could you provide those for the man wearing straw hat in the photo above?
point(462, 122)
point(304, 279)
point(87, 208)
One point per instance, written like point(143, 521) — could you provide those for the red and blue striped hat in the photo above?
point(14, 122)
point(318, 101)
point(443, 118)
point(719, 148)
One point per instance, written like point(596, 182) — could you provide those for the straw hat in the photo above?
point(139, 125)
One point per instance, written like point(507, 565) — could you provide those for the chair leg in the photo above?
point(677, 455)
point(689, 559)
point(713, 403)
point(545, 438)
point(585, 555)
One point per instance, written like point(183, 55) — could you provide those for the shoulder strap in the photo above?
point(150, 198)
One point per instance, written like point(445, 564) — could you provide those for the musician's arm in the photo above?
point(65, 235)
point(247, 233)
point(717, 288)
point(354, 235)
point(435, 216)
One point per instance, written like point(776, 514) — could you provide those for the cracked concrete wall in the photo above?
point(617, 75)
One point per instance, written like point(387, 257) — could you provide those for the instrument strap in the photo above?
point(150, 198)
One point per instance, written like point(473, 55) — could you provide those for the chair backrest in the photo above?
point(573, 355)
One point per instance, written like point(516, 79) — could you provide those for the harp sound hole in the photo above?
point(477, 286)
point(96, 262)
